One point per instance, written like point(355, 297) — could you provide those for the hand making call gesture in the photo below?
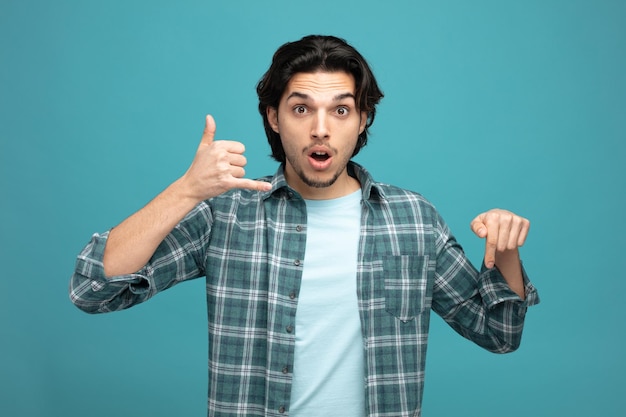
point(218, 166)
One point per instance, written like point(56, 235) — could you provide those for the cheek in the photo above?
point(288, 145)
point(292, 131)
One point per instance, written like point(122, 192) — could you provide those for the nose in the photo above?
point(320, 129)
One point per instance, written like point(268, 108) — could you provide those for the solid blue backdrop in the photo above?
point(508, 104)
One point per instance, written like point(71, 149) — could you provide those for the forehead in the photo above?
point(320, 84)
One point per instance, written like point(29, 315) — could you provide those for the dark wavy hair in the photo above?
point(309, 54)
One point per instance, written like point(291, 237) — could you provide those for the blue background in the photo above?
point(515, 104)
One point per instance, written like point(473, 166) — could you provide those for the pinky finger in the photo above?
point(523, 234)
point(253, 185)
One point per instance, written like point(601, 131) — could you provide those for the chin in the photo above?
point(319, 182)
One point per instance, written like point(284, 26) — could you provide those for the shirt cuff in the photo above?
point(495, 290)
point(89, 264)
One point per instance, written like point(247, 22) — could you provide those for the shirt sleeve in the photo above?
point(178, 258)
point(478, 305)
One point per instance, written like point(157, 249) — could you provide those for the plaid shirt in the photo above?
point(250, 247)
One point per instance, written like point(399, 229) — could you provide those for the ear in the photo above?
point(272, 118)
point(363, 121)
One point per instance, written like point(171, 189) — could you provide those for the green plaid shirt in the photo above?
point(250, 246)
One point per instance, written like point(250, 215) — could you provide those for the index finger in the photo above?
point(491, 244)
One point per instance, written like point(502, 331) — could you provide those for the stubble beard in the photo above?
point(318, 184)
point(312, 182)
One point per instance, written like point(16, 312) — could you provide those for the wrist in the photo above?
point(507, 257)
point(180, 194)
point(510, 266)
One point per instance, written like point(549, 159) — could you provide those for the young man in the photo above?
point(320, 281)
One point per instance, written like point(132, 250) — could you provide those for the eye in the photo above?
point(342, 111)
point(299, 109)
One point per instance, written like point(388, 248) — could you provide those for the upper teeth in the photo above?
point(320, 153)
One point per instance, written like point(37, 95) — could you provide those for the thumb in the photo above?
point(209, 130)
point(478, 227)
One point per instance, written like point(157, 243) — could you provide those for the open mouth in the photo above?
point(320, 156)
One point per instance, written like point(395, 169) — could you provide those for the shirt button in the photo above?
point(285, 370)
point(281, 410)
point(298, 228)
point(292, 295)
point(289, 329)
point(297, 262)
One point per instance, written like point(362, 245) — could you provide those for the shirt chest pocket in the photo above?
point(408, 285)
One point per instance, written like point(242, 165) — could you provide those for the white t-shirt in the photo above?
point(328, 374)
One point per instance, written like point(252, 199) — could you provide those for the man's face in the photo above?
point(319, 126)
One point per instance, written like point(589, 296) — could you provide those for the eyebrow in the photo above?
point(338, 97)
